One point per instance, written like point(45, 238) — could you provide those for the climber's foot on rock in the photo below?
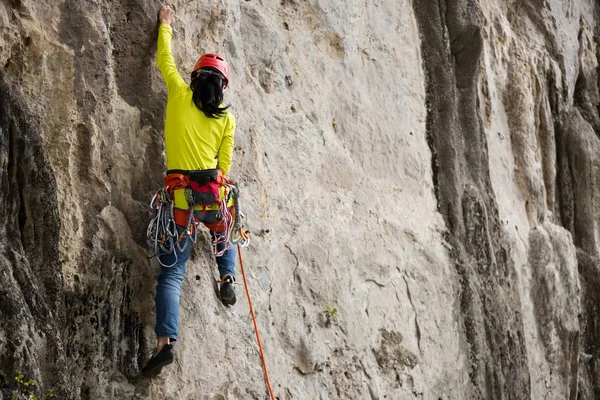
point(227, 292)
point(164, 357)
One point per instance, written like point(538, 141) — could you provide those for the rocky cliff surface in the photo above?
point(429, 168)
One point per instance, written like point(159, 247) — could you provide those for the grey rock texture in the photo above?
point(429, 168)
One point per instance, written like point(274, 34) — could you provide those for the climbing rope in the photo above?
point(262, 354)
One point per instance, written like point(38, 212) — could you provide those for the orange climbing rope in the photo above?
point(262, 354)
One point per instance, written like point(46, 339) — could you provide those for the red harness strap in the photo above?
point(181, 217)
point(176, 182)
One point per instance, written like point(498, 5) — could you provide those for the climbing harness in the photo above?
point(201, 188)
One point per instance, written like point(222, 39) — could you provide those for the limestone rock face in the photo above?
point(430, 169)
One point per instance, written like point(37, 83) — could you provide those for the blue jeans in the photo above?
point(169, 285)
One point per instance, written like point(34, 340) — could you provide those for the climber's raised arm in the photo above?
point(164, 58)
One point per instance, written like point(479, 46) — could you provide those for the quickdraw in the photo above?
point(162, 235)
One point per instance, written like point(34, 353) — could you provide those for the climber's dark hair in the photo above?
point(207, 87)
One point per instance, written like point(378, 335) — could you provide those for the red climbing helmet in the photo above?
point(214, 61)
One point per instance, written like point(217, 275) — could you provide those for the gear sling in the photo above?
point(201, 188)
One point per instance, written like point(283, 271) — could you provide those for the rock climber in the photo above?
point(199, 134)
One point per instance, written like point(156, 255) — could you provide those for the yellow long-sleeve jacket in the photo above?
point(192, 140)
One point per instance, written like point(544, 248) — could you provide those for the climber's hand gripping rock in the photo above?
point(166, 15)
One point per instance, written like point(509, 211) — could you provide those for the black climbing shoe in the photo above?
point(227, 292)
point(154, 365)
